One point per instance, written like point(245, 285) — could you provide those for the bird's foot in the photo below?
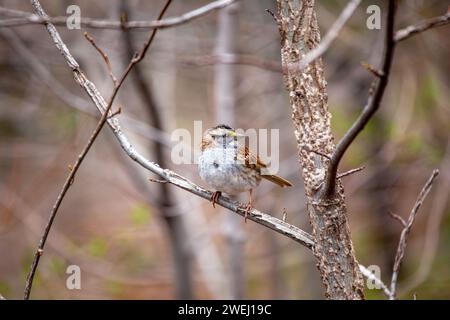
point(248, 208)
point(214, 197)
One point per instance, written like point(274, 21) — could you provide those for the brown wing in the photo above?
point(252, 161)
point(205, 144)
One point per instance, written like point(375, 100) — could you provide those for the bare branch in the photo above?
point(331, 35)
point(316, 152)
point(370, 276)
point(349, 172)
point(105, 118)
point(115, 113)
point(274, 16)
point(372, 69)
point(23, 18)
point(369, 110)
point(405, 232)
point(104, 56)
point(398, 218)
point(422, 26)
point(229, 58)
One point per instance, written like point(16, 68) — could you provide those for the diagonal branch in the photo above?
point(371, 276)
point(405, 232)
point(369, 110)
point(422, 26)
point(104, 56)
point(104, 118)
point(331, 35)
point(25, 18)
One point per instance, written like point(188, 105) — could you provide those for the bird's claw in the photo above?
point(248, 208)
point(214, 197)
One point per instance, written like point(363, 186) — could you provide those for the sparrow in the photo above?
point(228, 166)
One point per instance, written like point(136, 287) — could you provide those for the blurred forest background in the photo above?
point(122, 229)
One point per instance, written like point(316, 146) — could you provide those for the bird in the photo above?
point(227, 165)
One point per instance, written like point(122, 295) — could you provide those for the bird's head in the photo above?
point(221, 135)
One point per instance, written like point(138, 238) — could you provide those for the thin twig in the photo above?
point(316, 152)
point(349, 172)
point(157, 180)
point(115, 113)
point(371, 107)
point(422, 26)
point(372, 69)
point(406, 230)
point(104, 56)
point(274, 16)
point(24, 18)
point(398, 218)
point(105, 117)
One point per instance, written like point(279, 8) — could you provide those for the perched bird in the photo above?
point(227, 165)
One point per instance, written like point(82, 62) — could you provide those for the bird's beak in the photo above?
point(237, 135)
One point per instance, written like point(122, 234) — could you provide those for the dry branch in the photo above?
point(24, 18)
point(406, 230)
point(372, 105)
point(422, 26)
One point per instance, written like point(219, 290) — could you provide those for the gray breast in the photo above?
point(220, 170)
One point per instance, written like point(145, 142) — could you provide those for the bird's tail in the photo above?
point(277, 180)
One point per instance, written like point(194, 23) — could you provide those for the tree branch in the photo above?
point(405, 232)
point(104, 56)
point(369, 110)
point(106, 116)
point(422, 26)
point(24, 18)
point(331, 35)
point(231, 58)
point(370, 276)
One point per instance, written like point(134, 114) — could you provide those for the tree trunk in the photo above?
point(308, 98)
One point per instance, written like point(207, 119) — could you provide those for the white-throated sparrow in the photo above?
point(227, 165)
